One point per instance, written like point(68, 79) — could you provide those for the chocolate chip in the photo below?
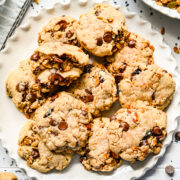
point(97, 13)
point(63, 125)
point(87, 68)
point(82, 158)
point(101, 80)
point(22, 86)
point(52, 122)
point(153, 96)
point(177, 136)
point(157, 131)
point(54, 97)
point(30, 111)
point(54, 133)
point(88, 98)
point(114, 155)
point(144, 142)
point(37, 70)
point(124, 125)
point(35, 57)
point(137, 71)
point(107, 37)
point(112, 117)
point(66, 57)
point(88, 127)
point(121, 70)
point(118, 77)
point(169, 170)
point(88, 91)
point(48, 113)
point(148, 133)
point(69, 34)
point(63, 25)
point(132, 43)
point(84, 113)
point(99, 41)
point(35, 153)
point(32, 97)
point(55, 77)
point(57, 59)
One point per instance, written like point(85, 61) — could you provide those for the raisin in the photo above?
point(107, 37)
point(63, 125)
point(99, 41)
point(137, 71)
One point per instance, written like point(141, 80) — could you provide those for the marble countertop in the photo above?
point(172, 38)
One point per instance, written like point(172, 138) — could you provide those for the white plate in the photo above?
point(22, 44)
point(164, 10)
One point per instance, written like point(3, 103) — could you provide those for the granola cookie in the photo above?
point(38, 156)
point(60, 29)
point(99, 30)
point(98, 156)
point(62, 123)
point(136, 54)
point(96, 87)
point(154, 86)
point(24, 91)
point(135, 133)
point(7, 176)
point(55, 64)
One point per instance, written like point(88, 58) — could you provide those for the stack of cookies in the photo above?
point(63, 95)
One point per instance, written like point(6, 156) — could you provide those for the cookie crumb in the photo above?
point(169, 170)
